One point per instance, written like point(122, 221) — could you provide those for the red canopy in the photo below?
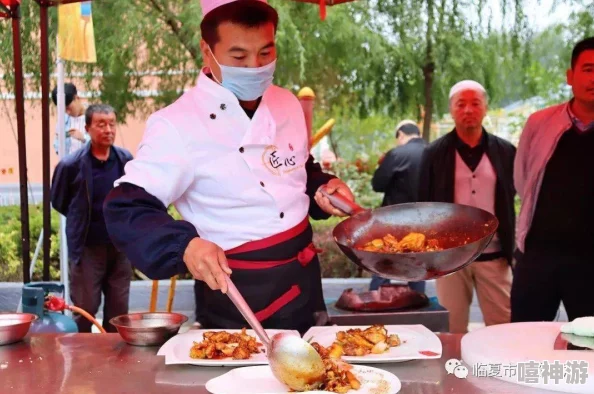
point(5, 11)
point(10, 3)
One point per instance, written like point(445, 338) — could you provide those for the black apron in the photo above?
point(280, 279)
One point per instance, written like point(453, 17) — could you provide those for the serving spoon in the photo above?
point(293, 361)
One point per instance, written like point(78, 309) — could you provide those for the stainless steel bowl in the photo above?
point(148, 329)
point(14, 326)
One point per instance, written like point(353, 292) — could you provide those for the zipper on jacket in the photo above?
point(89, 213)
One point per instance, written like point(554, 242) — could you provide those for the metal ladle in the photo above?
point(293, 361)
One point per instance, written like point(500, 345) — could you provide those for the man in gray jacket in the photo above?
point(554, 176)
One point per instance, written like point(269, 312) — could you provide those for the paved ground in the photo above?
point(334, 287)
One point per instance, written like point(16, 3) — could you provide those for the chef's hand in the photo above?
point(334, 186)
point(321, 318)
point(206, 261)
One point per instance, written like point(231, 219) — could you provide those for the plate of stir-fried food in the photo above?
point(376, 344)
point(410, 243)
point(217, 348)
point(340, 378)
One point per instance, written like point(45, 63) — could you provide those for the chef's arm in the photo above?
point(141, 228)
point(315, 178)
point(136, 210)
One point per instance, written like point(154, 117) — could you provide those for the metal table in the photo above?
point(103, 363)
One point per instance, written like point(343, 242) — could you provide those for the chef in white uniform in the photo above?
point(232, 156)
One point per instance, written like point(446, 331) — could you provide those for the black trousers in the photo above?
point(102, 269)
point(543, 279)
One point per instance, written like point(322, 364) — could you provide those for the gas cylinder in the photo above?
point(47, 322)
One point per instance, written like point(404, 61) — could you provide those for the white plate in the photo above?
point(177, 350)
point(415, 340)
point(260, 380)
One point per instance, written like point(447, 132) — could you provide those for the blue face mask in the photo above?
point(247, 84)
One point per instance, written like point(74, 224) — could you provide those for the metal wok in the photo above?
point(462, 231)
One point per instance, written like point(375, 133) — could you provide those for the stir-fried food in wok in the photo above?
point(338, 377)
point(221, 344)
point(411, 243)
point(357, 342)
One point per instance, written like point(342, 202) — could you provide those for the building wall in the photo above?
point(128, 136)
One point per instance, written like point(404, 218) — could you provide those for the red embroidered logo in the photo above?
point(279, 163)
point(291, 147)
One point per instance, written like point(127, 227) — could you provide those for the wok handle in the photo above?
point(340, 202)
point(246, 312)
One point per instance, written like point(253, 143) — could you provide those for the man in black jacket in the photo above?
point(398, 178)
point(472, 167)
point(80, 184)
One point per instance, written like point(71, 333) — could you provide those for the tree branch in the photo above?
point(428, 70)
point(175, 26)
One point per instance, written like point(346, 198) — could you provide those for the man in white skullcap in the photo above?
point(469, 166)
point(232, 155)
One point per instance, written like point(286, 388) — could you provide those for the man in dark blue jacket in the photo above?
point(80, 184)
point(398, 178)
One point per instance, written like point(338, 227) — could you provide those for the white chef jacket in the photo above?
point(234, 178)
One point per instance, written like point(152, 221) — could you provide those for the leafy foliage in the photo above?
point(366, 58)
point(10, 243)
point(366, 62)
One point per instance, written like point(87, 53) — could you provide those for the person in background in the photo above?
point(469, 166)
point(76, 134)
point(398, 178)
point(554, 176)
point(80, 184)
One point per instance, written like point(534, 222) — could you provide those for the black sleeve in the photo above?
point(512, 153)
point(139, 226)
point(60, 189)
point(315, 178)
point(425, 180)
point(391, 165)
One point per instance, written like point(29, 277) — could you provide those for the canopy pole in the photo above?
point(22, 143)
point(64, 268)
point(45, 140)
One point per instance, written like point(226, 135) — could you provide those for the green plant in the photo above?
point(333, 262)
point(358, 178)
point(10, 267)
point(10, 243)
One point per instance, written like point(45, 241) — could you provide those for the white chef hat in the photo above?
point(209, 5)
point(467, 84)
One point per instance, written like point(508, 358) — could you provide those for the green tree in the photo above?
point(389, 58)
point(343, 58)
point(444, 46)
